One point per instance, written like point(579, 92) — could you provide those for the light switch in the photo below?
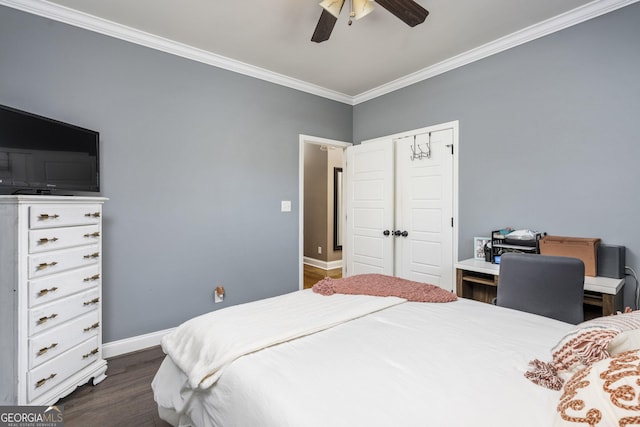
point(285, 206)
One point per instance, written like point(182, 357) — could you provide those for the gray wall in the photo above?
point(195, 161)
point(549, 136)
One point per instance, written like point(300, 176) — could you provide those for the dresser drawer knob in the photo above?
point(94, 215)
point(94, 326)
point(43, 350)
point(44, 380)
point(94, 234)
point(47, 318)
point(93, 301)
point(45, 240)
point(91, 353)
point(47, 216)
point(44, 265)
point(43, 292)
point(89, 279)
point(93, 255)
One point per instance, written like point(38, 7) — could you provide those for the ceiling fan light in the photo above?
point(332, 6)
point(362, 8)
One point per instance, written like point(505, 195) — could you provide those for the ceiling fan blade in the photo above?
point(324, 27)
point(408, 11)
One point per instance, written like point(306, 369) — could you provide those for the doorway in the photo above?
point(320, 163)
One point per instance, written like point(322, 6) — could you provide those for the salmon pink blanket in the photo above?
point(383, 286)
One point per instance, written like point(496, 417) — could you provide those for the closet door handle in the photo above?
point(405, 233)
point(397, 233)
point(386, 232)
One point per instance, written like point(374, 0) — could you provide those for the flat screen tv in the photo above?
point(39, 155)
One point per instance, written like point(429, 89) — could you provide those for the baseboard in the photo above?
point(140, 342)
point(129, 345)
point(330, 265)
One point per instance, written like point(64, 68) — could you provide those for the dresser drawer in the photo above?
point(53, 287)
point(48, 239)
point(66, 259)
point(55, 313)
point(55, 371)
point(50, 216)
point(55, 341)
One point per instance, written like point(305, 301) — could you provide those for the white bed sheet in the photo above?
point(414, 364)
point(205, 345)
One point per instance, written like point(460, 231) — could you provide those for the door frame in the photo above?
point(308, 139)
point(454, 125)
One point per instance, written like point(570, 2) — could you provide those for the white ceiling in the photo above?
point(274, 35)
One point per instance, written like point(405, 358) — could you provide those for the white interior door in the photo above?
point(369, 201)
point(424, 209)
point(387, 192)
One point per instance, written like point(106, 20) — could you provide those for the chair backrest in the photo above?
point(551, 286)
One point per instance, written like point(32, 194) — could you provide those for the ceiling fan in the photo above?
point(408, 11)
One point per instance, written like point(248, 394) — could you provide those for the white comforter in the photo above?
point(204, 345)
point(414, 364)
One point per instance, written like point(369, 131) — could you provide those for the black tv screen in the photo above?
point(42, 155)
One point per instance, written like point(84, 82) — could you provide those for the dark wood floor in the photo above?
point(123, 399)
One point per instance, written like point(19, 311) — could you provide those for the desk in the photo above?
point(477, 279)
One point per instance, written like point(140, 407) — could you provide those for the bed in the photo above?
point(394, 363)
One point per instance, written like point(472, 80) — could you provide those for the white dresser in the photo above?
point(51, 297)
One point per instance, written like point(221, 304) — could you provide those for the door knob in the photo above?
point(397, 233)
point(405, 233)
point(386, 232)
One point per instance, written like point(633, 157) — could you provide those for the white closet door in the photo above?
point(370, 208)
point(424, 209)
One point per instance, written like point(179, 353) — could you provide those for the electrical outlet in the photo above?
point(218, 294)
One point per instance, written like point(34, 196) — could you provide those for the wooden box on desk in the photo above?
point(583, 248)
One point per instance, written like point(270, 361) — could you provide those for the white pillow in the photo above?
point(624, 341)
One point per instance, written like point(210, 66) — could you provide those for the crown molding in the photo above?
point(102, 26)
point(552, 25)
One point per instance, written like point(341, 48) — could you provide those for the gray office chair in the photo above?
point(551, 286)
